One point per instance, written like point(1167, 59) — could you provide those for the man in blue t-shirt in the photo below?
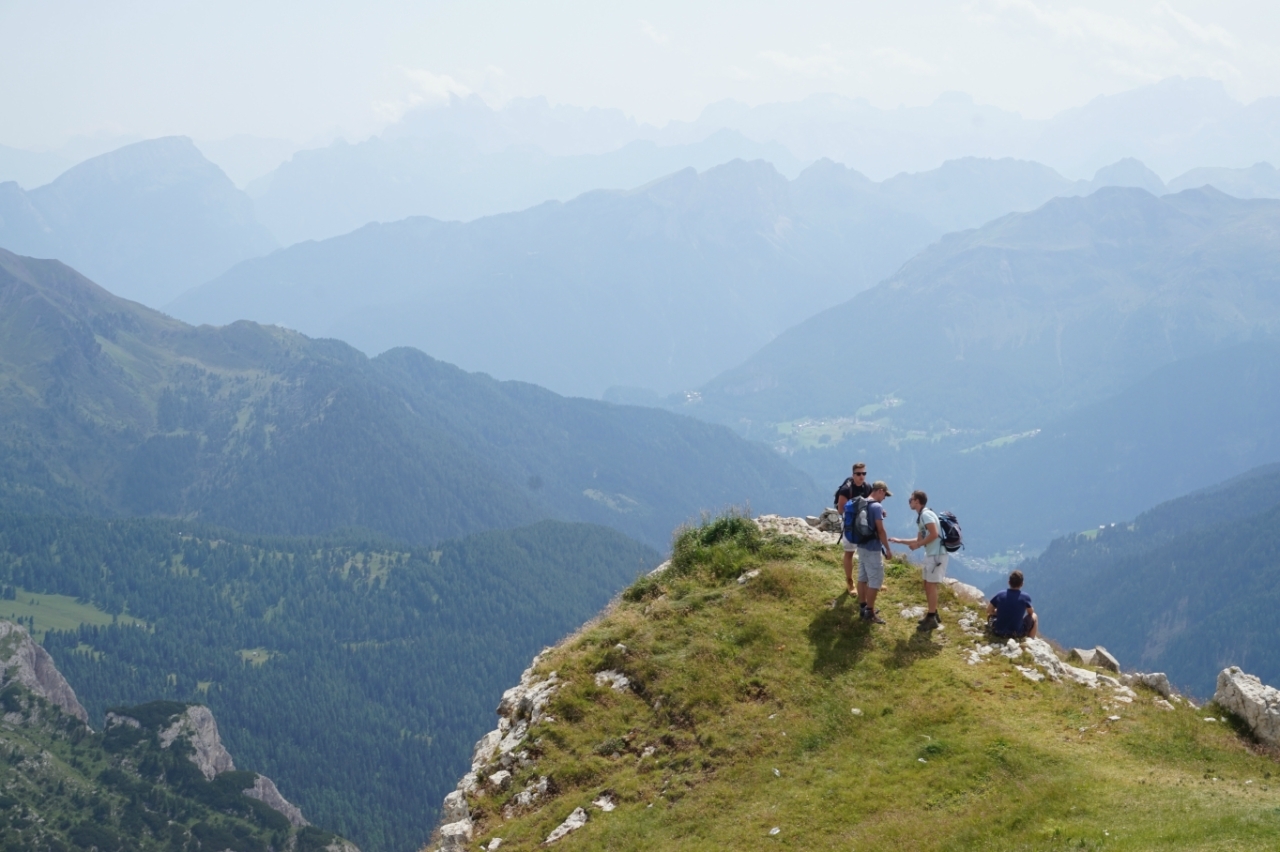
point(871, 555)
point(1010, 615)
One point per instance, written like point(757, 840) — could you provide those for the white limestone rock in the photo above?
point(749, 575)
point(965, 592)
point(25, 662)
point(1252, 700)
point(455, 807)
point(500, 780)
point(264, 790)
point(606, 802)
point(799, 528)
point(1156, 681)
point(613, 679)
point(196, 723)
point(916, 612)
point(455, 836)
point(1103, 659)
point(1083, 656)
point(575, 821)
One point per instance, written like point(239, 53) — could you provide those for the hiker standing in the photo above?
point(853, 487)
point(933, 568)
point(1010, 615)
point(872, 551)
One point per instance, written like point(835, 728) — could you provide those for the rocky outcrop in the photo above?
point(264, 790)
point(197, 725)
point(1253, 701)
point(798, 527)
point(498, 753)
point(24, 662)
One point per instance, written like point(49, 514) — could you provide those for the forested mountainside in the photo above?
point(1008, 325)
point(356, 673)
point(147, 220)
point(1187, 587)
point(113, 408)
point(157, 778)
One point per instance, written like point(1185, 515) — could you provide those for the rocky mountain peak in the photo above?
point(25, 662)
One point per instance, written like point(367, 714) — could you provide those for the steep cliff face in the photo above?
point(23, 661)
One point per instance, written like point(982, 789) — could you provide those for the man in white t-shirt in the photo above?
point(934, 565)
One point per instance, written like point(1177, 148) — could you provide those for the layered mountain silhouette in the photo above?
point(656, 288)
point(113, 408)
point(1014, 323)
point(329, 191)
point(148, 220)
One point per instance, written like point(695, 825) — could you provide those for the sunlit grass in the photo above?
point(55, 612)
point(736, 681)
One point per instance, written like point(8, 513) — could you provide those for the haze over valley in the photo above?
point(349, 365)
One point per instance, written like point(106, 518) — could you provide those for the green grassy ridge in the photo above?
point(65, 787)
point(733, 682)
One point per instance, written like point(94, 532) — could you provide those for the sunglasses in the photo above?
point(861, 473)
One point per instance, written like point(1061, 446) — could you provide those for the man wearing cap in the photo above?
point(871, 555)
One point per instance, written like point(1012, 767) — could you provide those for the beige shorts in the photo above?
point(849, 547)
point(934, 568)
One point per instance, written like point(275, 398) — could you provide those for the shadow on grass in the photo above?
point(838, 637)
point(907, 651)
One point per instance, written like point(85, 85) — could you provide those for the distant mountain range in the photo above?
point(1187, 587)
point(1014, 323)
point(329, 191)
point(148, 220)
point(109, 407)
point(654, 289)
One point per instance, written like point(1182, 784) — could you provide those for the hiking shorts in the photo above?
point(849, 547)
point(871, 567)
point(934, 568)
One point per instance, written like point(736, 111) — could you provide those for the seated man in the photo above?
point(1009, 614)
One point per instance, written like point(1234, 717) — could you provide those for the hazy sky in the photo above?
point(303, 69)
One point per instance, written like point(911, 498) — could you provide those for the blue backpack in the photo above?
point(857, 526)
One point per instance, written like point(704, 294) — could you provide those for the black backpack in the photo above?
point(949, 531)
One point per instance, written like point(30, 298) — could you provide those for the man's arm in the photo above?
point(884, 537)
point(931, 533)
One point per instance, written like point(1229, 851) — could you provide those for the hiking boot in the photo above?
point(929, 622)
point(874, 617)
point(862, 611)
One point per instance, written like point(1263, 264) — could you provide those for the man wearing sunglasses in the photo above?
point(854, 486)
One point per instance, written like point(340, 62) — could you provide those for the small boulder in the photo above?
point(500, 780)
point(573, 822)
point(1102, 659)
point(1083, 656)
point(455, 836)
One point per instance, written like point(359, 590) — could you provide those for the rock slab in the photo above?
point(1253, 701)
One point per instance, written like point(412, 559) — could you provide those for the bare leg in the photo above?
point(848, 573)
point(871, 596)
point(931, 595)
point(1035, 626)
point(862, 593)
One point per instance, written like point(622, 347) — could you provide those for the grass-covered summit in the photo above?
point(764, 713)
